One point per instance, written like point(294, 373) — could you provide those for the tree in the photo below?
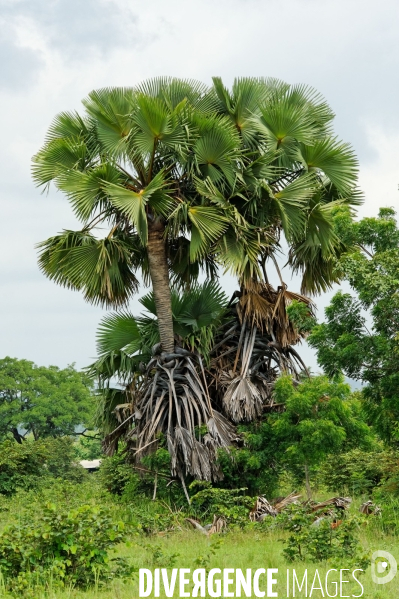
point(188, 179)
point(318, 420)
point(24, 466)
point(360, 334)
point(44, 402)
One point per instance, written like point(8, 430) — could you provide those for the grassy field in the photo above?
point(236, 549)
point(254, 547)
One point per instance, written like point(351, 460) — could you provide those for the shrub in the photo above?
point(120, 478)
point(152, 516)
point(356, 471)
point(73, 546)
point(257, 458)
point(231, 504)
point(312, 542)
point(64, 493)
point(115, 474)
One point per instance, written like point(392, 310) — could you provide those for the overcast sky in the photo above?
point(53, 52)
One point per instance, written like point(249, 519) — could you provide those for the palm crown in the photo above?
point(189, 177)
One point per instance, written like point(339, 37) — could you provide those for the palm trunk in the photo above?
point(160, 284)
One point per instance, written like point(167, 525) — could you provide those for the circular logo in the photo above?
point(383, 563)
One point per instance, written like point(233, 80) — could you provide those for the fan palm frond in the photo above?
point(250, 350)
point(100, 268)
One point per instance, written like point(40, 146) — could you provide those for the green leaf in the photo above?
point(118, 332)
point(208, 224)
point(100, 268)
point(335, 159)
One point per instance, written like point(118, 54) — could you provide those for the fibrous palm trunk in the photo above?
point(160, 283)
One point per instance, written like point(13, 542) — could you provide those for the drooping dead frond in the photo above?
point(173, 401)
point(247, 358)
point(266, 308)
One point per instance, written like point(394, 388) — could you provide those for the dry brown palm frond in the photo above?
point(341, 503)
point(197, 525)
point(218, 524)
point(245, 362)
point(173, 402)
point(281, 504)
point(261, 509)
point(369, 508)
point(262, 305)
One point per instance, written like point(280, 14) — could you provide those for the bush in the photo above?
point(356, 472)
point(257, 458)
point(231, 504)
point(24, 465)
point(115, 474)
point(120, 478)
point(72, 546)
point(312, 542)
point(66, 494)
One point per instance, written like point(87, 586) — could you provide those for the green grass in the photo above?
point(187, 548)
point(238, 549)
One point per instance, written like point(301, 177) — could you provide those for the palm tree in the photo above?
point(189, 179)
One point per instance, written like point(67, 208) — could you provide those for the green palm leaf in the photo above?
point(334, 158)
point(208, 224)
point(98, 268)
point(56, 158)
point(118, 332)
point(69, 125)
point(85, 190)
point(132, 203)
point(111, 110)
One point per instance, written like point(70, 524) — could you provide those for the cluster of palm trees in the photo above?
point(193, 181)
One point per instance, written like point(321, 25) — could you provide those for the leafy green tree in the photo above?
point(360, 334)
point(30, 464)
point(319, 420)
point(186, 179)
point(88, 446)
point(258, 457)
point(44, 402)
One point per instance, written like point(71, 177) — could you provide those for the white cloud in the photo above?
point(380, 178)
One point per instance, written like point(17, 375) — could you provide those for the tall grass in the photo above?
point(257, 547)
point(249, 549)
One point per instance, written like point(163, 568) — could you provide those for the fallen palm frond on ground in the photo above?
point(218, 525)
point(340, 503)
point(263, 508)
point(369, 508)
